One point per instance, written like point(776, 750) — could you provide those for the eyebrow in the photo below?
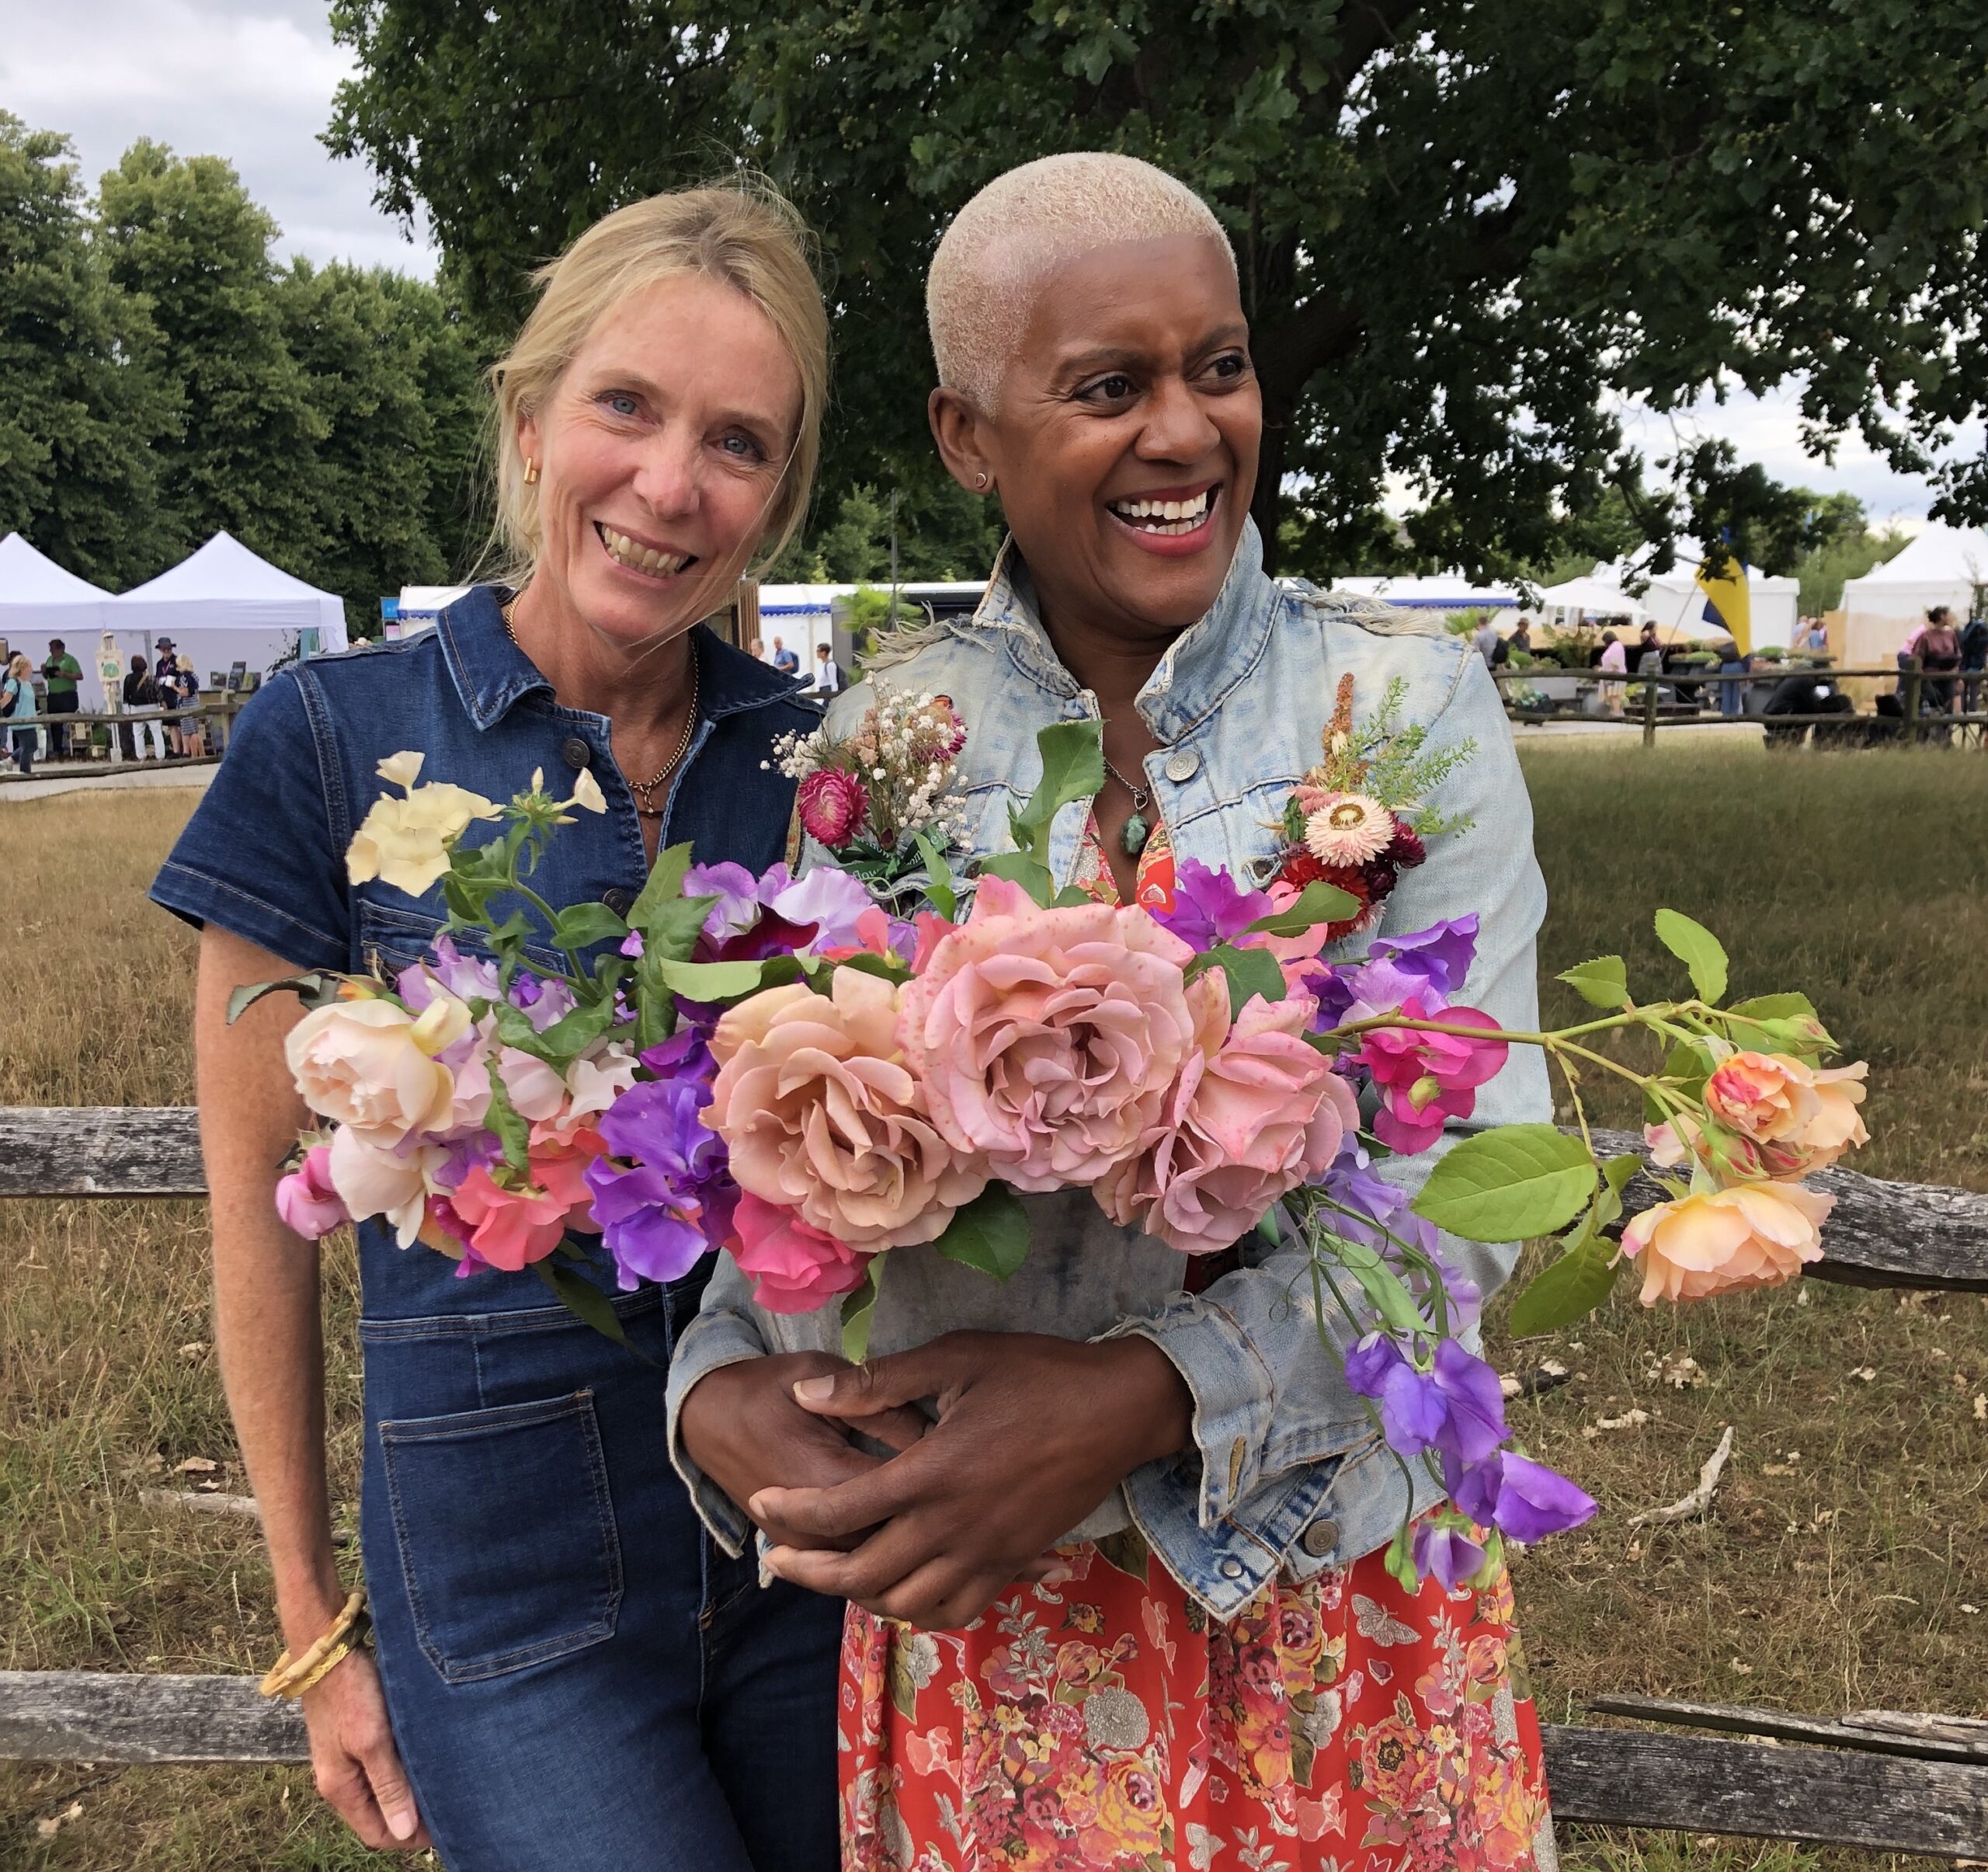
point(1103, 357)
point(606, 377)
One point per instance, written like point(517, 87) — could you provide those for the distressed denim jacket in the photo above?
point(1285, 1470)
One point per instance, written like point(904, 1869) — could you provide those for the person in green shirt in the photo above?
point(59, 672)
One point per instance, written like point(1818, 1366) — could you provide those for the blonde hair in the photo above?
point(18, 665)
point(742, 233)
point(1001, 245)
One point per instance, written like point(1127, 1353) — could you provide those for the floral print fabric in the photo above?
point(1103, 1720)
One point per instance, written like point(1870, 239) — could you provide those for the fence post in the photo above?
point(1909, 689)
point(1649, 711)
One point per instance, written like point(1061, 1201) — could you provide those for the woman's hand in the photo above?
point(1034, 1433)
point(352, 1754)
point(744, 1428)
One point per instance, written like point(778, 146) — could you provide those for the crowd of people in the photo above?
point(824, 679)
point(149, 695)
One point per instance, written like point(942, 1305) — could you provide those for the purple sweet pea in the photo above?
point(1474, 1403)
point(1437, 958)
point(1534, 1501)
point(738, 894)
point(665, 1195)
point(1412, 1410)
point(467, 977)
point(544, 1000)
point(1474, 1487)
point(1210, 907)
point(1446, 1552)
point(1380, 1209)
point(830, 900)
point(643, 1222)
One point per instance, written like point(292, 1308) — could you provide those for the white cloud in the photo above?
point(249, 80)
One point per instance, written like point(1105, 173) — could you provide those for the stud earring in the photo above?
point(980, 481)
point(531, 472)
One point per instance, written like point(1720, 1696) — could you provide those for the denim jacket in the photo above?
point(263, 855)
point(1285, 1470)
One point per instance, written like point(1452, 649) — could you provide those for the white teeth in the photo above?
point(625, 551)
point(1164, 516)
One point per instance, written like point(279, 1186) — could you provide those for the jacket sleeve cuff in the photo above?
point(712, 1341)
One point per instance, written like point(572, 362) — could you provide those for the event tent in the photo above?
point(1676, 602)
point(1942, 565)
point(1594, 596)
point(39, 600)
point(1449, 591)
point(221, 605)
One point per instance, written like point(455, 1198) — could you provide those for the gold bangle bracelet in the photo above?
point(292, 1677)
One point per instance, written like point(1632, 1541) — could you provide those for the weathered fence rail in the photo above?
point(1884, 1781)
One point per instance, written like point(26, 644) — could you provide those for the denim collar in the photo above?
point(1200, 667)
point(492, 675)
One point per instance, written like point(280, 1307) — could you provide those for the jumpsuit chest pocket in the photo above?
point(506, 1533)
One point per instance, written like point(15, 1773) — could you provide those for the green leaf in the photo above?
point(939, 889)
point(572, 1034)
point(1604, 983)
point(1569, 1290)
point(674, 926)
point(858, 1310)
point(313, 990)
point(583, 1299)
point(1382, 1286)
point(664, 885)
point(1072, 768)
point(1615, 1174)
point(505, 1119)
point(1775, 1008)
point(1316, 903)
point(1508, 1185)
point(1699, 949)
point(1018, 868)
point(991, 1232)
point(721, 981)
point(580, 926)
point(1248, 972)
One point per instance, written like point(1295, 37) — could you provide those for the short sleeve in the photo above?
point(257, 858)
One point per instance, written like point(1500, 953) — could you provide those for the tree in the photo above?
point(83, 403)
point(1460, 228)
point(181, 236)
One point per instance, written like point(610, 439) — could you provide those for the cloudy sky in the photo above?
point(251, 80)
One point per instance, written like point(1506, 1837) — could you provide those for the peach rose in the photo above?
point(822, 1114)
point(1254, 1113)
point(1722, 1240)
point(377, 1180)
point(1789, 1118)
point(1047, 1039)
point(361, 1065)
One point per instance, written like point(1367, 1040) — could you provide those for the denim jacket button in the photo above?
point(578, 755)
point(1232, 1568)
point(618, 900)
point(1183, 763)
point(1320, 1538)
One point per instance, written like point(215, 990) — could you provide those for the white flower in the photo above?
point(1348, 828)
point(587, 793)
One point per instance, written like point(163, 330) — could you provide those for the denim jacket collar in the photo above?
point(1201, 667)
point(491, 674)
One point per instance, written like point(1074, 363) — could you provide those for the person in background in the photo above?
point(1815, 639)
point(828, 678)
point(1520, 639)
point(1732, 696)
point(1615, 662)
point(165, 681)
point(192, 729)
point(756, 651)
point(140, 692)
point(1485, 639)
point(16, 706)
point(1650, 650)
point(1973, 658)
point(59, 675)
point(1939, 654)
point(784, 659)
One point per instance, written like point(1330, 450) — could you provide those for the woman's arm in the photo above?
point(269, 1332)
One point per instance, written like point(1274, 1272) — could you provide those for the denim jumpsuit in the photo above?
point(579, 1679)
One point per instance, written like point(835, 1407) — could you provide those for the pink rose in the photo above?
point(511, 1228)
point(1722, 1240)
point(1251, 1117)
point(1049, 1040)
point(1803, 1118)
point(833, 806)
point(821, 1115)
point(794, 1268)
point(1426, 1078)
point(305, 1199)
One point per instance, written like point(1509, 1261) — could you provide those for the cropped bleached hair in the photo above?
point(742, 232)
point(1018, 229)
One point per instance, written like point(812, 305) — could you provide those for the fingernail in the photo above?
point(400, 1823)
point(815, 1390)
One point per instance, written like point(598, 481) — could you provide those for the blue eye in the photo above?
point(742, 448)
point(620, 402)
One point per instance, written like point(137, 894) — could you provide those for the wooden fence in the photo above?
point(1885, 1781)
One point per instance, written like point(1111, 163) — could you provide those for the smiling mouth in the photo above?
point(1168, 518)
point(653, 560)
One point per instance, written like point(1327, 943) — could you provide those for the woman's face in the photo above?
point(1124, 442)
point(660, 453)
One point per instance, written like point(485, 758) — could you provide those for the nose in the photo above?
point(1177, 428)
point(668, 477)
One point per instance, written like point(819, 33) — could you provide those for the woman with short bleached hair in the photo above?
point(1213, 1667)
point(569, 1677)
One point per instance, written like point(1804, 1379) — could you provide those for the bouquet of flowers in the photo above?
point(791, 1073)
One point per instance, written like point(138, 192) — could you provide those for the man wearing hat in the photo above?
point(166, 677)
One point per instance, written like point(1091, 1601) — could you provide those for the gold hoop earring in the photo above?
point(531, 472)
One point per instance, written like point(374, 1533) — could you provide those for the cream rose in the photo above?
point(376, 1180)
point(361, 1065)
point(822, 1114)
point(1722, 1240)
point(1047, 1040)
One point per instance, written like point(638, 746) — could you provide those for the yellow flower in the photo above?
point(406, 842)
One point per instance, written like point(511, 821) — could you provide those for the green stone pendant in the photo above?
point(1134, 836)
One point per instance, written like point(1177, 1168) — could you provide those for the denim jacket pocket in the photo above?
point(506, 1534)
point(397, 939)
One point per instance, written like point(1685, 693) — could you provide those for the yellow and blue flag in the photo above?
point(1728, 607)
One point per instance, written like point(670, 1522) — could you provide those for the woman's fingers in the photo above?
point(896, 1429)
point(886, 1384)
point(393, 1796)
point(357, 1768)
point(847, 1507)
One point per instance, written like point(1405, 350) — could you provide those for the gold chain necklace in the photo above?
point(642, 788)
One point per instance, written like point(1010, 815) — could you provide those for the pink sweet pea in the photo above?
point(511, 1228)
point(794, 1269)
point(1425, 1079)
point(305, 1199)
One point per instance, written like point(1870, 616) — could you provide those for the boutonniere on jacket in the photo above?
point(1359, 818)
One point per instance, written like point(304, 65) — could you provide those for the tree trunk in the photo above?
point(1267, 505)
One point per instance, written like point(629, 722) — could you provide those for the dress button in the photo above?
point(578, 755)
point(618, 900)
point(1232, 1568)
point(1183, 763)
point(1320, 1538)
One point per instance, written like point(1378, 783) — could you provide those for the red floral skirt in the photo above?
point(1105, 1721)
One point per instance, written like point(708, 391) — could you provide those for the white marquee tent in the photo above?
point(1449, 591)
point(1942, 565)
point(222, 605)
point(1675, 603)
point(39, 601)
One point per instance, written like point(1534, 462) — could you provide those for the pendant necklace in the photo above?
point(1132, 841)
point(643, 789)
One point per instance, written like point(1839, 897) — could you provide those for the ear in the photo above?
point(528, 438)
point(956, 427)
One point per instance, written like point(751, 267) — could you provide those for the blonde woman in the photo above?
point(16, 706)
point(566, 1675)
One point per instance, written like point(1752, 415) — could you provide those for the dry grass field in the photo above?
point(1842, 1566)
